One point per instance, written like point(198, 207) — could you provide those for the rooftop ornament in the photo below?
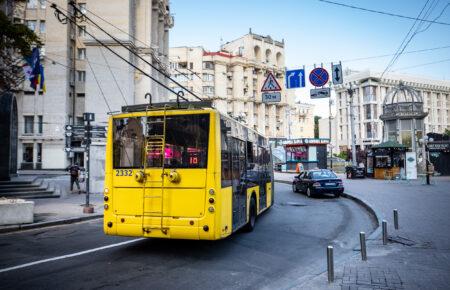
point(403, 102)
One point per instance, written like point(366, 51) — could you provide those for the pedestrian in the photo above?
point(74, 171)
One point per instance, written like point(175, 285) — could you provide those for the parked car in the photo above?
point(355, 172)
point(318, 181)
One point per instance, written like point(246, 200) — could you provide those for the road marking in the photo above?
point(68, 256)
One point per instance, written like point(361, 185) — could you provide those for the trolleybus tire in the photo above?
point(252, 216)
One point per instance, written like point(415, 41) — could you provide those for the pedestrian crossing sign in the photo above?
point(271, 84)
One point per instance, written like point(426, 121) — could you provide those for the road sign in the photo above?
point(89, 117)
point(295, 79)
point(319, 77)
point(271, 97)
point(336, 71)
point(320, 93)
point(271, 84)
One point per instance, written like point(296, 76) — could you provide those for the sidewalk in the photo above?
point(417, 255)
point(66, 209)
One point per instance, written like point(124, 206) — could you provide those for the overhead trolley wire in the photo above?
point(66, 18)
point(98, 84)
point(382, 12)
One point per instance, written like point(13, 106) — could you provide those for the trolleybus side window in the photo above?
point(225, 153)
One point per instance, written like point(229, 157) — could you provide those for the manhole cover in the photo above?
point(291, 203)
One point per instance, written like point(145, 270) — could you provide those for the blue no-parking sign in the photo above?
point(319, 77)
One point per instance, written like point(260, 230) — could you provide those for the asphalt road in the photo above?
point(287, 247)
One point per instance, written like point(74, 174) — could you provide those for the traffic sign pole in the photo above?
point(88, 117)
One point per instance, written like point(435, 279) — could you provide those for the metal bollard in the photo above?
point(384, 225)
point(396, 219)
point(330, 264)
point(362, 241)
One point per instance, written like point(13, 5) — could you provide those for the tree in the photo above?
point(16, 42)
point(316, 126)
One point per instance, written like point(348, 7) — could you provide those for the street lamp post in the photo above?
point(352, 125)
point(425, 140)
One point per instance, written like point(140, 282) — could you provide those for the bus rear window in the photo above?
point(186, 142)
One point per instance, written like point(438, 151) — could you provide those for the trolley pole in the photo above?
point(88, 117)
point(352, 125)
point(329, 131)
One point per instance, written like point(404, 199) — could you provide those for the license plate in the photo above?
point(330, 184)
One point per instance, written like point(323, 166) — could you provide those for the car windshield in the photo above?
point(323, 174)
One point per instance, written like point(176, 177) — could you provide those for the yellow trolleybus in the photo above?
point(184, 172)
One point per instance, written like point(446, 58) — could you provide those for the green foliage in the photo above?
point(16, 37)
point(343, 155)
point(447, 132)
point(316, 126)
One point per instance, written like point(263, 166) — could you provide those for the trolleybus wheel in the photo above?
point(252, 218)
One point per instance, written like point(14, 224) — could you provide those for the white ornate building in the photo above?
point(369, 95)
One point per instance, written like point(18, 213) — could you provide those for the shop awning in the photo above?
point(389, 145)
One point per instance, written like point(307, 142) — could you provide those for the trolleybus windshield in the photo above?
point(186, 141)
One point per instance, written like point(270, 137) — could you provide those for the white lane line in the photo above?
point(68, 256)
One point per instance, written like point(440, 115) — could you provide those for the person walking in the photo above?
point(74, 171)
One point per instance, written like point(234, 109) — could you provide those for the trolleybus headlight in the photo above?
point(205, 228)
point(211, 191)
point(109, 224)
point(106, 191)
point(211, 200)
point(211, 209)
point(106, 206)
point(105, 198)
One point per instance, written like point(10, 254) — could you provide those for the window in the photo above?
point(182, 65)
point(82, 7)
point(81, 95)
point(31, 24)
point(32, 4)
point(208, 77)
point(208, 65)
point(29, 124)
point(81, 76)
point(42, 3)
point(27, 155)
point(80, 121)
point(42, 26)
point(368, 112)
point(208, 90)
point(81, 53)
point(186, 141)
point(39, 152)
point(229, 91)
point(82, 31)
point(191, 65)
point(40, 124)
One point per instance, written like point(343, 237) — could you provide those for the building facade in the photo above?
point(369, 94)
point(81, 76)
point(233, 77)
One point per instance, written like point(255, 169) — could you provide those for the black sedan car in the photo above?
point(318, 181)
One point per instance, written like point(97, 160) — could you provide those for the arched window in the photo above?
point(257, 51)
point(279, 59)
point(268, 55)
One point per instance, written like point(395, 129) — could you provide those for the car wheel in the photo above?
point(252, 216)
point(308, 192)
point(349, 175)
point(294, 188)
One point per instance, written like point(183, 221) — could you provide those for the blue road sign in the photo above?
point(295, 79)
point(319, 77)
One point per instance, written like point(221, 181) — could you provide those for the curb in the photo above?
point(16, 228)
point(362, 203)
